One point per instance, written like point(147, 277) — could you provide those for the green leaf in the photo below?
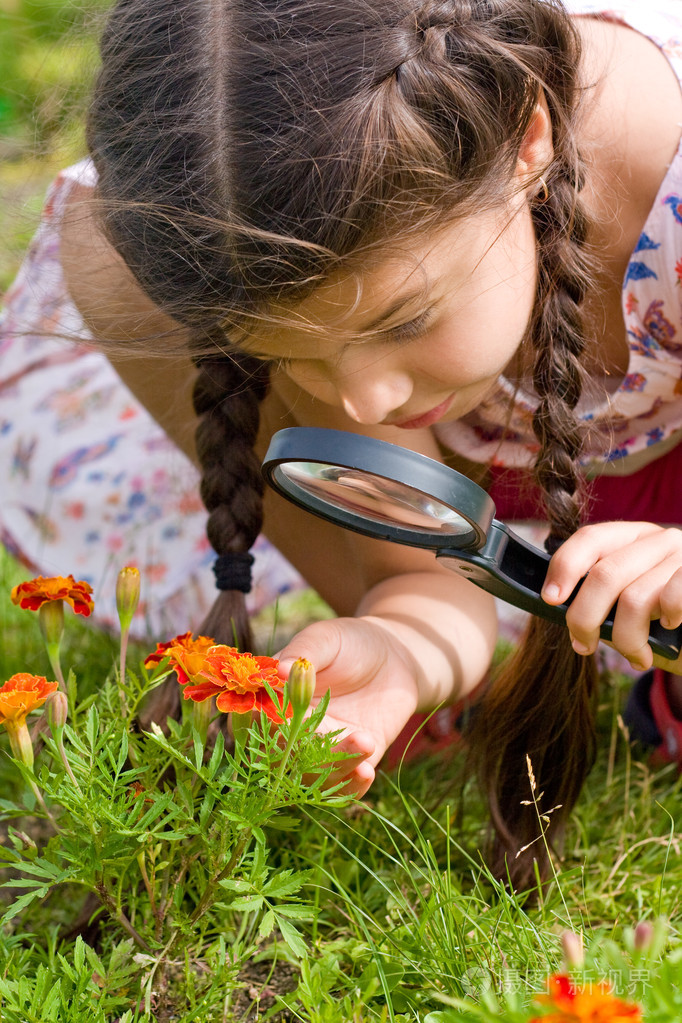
point(248, 904)
point(284, 822)
point(235, 884)
point(390, 970)
point(292, 937)
point(92, 727)
point(23, 901)
point(79, 954)
point(286, 883)
point(296, 912)
point(198, 750)
point(216, 756)
point(267, 924)
point(123, 754)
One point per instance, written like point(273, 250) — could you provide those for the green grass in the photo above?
point(48, 58)
point(399, 916)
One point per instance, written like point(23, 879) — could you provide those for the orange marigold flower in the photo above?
point(597, 1004)
point(21, 694)
point(237, 680)
point(33, 594)
point(186, 655)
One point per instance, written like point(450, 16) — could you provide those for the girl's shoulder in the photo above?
point(100, 285)
point(631, 117)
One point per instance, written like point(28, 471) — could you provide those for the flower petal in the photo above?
point(201, 692)
point(32, 594)
point(236, 703)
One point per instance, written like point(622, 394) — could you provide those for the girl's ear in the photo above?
point(537, 149)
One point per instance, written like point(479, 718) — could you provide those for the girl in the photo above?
point(411, 220)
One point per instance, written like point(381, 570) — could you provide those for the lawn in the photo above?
point(154, 876)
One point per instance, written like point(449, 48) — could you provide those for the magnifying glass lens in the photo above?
point(381, 500)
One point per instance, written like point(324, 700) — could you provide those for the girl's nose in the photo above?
point(368, 389)
point(373, 393)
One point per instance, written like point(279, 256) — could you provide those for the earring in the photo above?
point(542, 196)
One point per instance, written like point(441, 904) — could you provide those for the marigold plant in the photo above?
point(572, 1004)
point(32, 594)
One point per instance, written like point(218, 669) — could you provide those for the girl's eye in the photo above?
point(411, 329)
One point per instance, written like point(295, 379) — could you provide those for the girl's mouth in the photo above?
point(427, 419)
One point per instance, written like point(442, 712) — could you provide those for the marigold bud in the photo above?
point(57, 710)
point(301, 684)
point(127, 595)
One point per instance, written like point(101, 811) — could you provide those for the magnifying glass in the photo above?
point(389, 493)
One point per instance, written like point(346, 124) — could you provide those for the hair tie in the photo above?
point(233, 571)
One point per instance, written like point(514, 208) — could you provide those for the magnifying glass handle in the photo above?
point(515, 571)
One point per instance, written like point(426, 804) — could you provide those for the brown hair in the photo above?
point(246, 147)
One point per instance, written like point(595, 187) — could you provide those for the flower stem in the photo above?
point(120, 917)
point(122, 672)
point(43, 805)
point(296, 722)
point(55, 663)
point(65, 760)
point(51, 621)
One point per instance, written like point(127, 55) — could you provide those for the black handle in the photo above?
point(515, 571)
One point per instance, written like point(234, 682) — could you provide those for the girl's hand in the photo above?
point(374, 689)
point(637, 564)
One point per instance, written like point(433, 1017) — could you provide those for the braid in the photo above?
point(227, 394)
point(542, 705)
point(559, 344)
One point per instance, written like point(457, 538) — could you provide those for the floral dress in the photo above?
point(90, 481)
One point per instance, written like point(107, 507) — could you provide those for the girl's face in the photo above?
point(421, 336)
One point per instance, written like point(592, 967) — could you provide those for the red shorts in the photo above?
point(653, 494)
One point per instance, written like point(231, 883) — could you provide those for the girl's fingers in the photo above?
point(319, 643)
point(360, 781)
point(635, 576)
point(638, 605)
point(585, 549)
point(671, 602)
point(358, 743)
